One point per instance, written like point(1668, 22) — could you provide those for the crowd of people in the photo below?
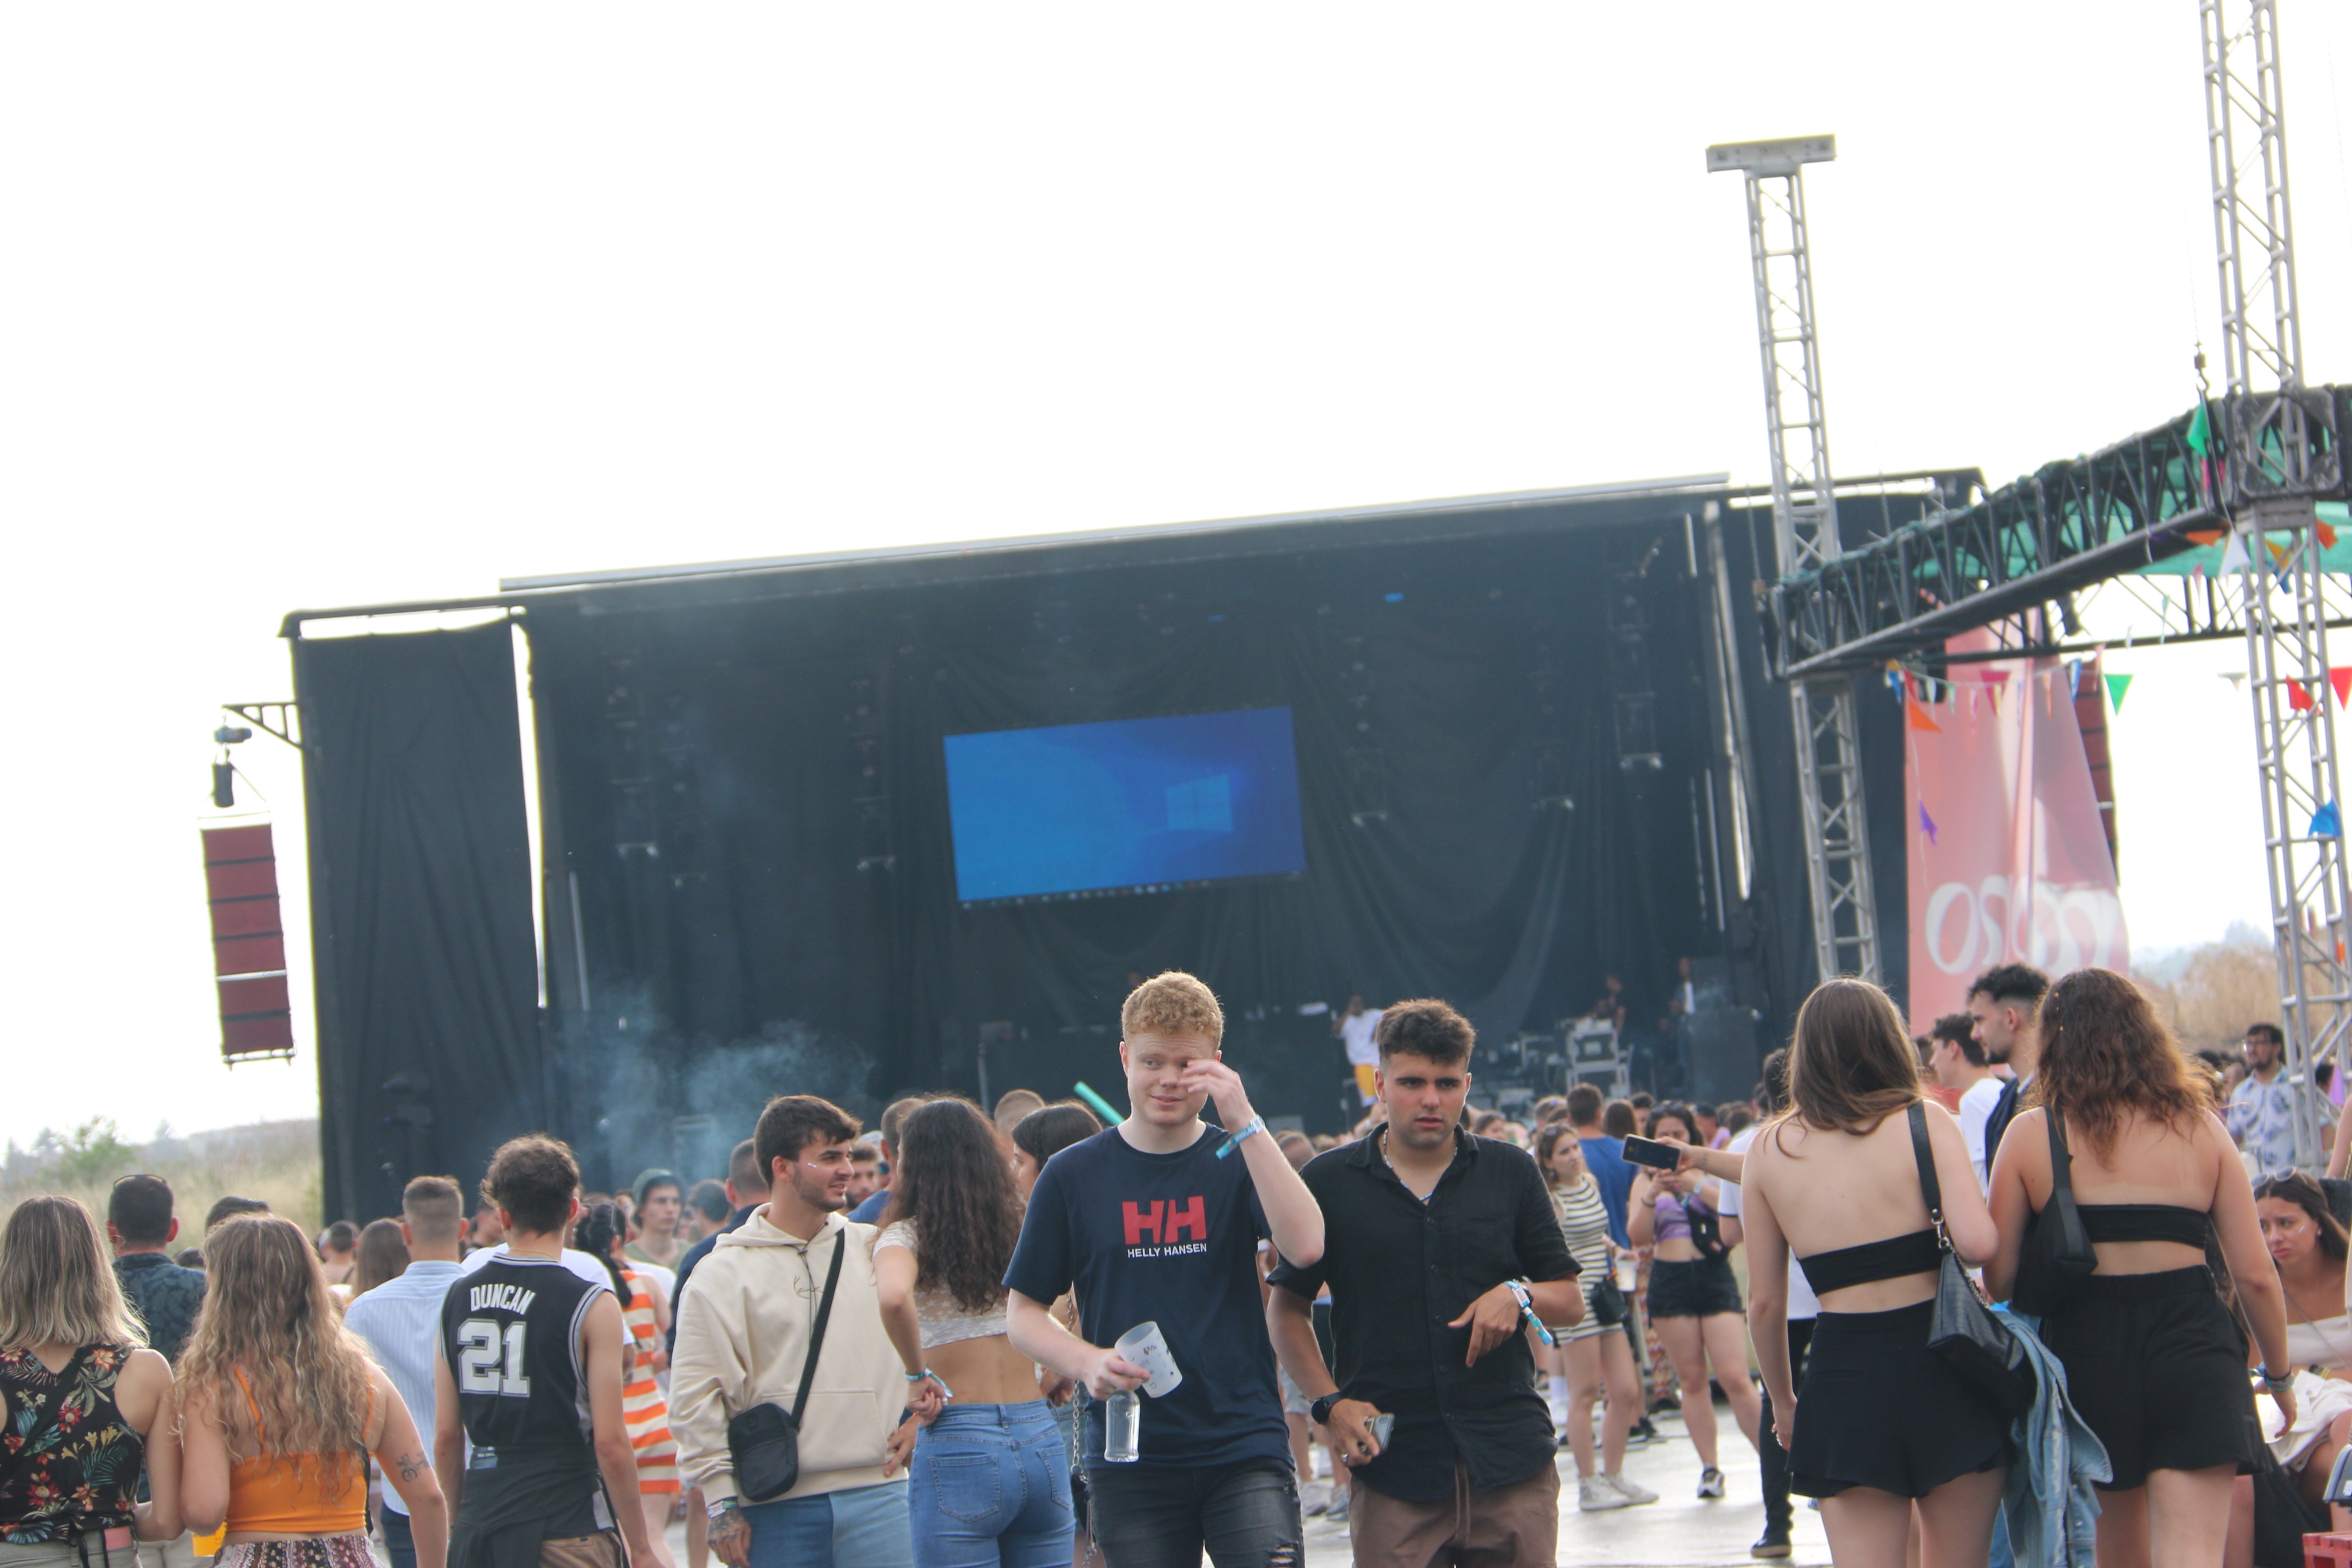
point(1015, 1336)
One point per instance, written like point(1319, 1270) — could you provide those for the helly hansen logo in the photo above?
point(1165, 1223)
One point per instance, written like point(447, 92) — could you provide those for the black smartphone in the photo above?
point(1649, 1152)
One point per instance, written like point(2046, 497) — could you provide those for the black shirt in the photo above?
point(1402, 1271)
point(510, 1333)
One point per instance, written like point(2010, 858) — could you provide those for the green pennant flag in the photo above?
point(2116, 686)
point(2200, 431)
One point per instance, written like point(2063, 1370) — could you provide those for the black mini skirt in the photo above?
point(1701, 1287)
point(1878, 1408)
point(2157, 1367)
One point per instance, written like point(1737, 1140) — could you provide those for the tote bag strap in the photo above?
point(1929, 1188)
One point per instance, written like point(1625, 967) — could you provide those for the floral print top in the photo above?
point(68, 1464)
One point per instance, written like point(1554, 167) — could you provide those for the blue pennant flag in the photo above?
point(2326, 822)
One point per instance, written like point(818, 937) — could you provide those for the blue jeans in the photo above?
point(991, 1488)
point(1160, 1516)
point(860, 1527)
point(399, 1541)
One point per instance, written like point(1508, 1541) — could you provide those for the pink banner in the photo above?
point(2007, 858)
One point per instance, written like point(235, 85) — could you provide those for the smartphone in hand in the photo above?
point(1649, 1152)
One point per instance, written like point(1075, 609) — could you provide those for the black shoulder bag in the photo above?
point(1962, 1329)
point(2056, 1256)
point(765, 1442)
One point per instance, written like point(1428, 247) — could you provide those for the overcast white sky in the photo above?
point(314, 306)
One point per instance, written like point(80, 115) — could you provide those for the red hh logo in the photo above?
point(1166, 1226)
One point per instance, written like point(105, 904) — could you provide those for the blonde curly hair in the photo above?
point(1172, 1003)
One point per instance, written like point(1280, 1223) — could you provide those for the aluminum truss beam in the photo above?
point(2286, 621)
point(2058, 531)
point(1805, 538)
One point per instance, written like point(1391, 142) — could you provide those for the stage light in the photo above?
point(231, 735)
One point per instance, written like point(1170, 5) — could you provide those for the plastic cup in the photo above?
point(1143, 1346)
point(1123, 1429)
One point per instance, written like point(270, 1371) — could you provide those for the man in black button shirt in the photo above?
point(1438, 1248)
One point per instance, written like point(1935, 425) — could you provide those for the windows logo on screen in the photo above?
point(1202, 805)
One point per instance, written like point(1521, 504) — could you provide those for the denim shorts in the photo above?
point(991, 1485)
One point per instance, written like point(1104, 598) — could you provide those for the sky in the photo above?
point(324, 306)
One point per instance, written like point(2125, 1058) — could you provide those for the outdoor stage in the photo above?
point(1535, 740)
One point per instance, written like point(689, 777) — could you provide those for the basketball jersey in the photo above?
point(511, 1330)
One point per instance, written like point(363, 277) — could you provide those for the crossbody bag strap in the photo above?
point(817, 1329)
point(1929, 1188)
point(2062, 1159)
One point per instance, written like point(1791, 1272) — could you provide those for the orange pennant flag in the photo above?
point(2326, 534)
point(2204, 535)
point(2278, 551)
point(2298, 696)
point(1923, 720)
point(2342, 681)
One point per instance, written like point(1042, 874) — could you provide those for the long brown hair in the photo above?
point(1547, 1142)
point(1851, 1066)
point(267, 1314)
point(57, 1287)
point(2106, 1056)
point(2295, 1187)
point(381, 1255)
point(954, 1180)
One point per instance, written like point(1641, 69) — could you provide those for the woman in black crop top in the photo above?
point(2155, 1362)
point(1882, 1423)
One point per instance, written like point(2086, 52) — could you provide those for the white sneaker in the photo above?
point(1710, 1483)
point(1594, 1494)
point(1631, 1492)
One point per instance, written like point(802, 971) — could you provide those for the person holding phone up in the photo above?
point(1440, 1248)
point(1694, 1300)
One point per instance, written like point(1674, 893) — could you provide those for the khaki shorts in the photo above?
point(1509, 1527)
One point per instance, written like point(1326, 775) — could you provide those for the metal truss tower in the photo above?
point(1805, 536)
point(2268, 445)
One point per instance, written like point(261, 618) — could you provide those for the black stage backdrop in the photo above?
point(747, 802)
point(420, 908)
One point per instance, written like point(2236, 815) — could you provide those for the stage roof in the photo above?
point(1038, 555)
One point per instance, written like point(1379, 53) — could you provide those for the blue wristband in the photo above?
point(1254, 1125)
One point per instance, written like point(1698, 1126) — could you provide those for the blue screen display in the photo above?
point(1133, 805)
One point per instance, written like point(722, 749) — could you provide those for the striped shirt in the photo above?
point(1584, 1226)
point(645, 1412)
point(400, 1320)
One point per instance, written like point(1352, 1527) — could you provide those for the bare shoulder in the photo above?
point(144, 1367)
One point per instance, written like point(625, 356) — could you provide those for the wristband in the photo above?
point(724, 1505)
point(935, 1377)
point(2276, 1382)
point(1254, 1125)
point(1527, 1311)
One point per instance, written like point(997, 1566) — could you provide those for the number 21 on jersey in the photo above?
point(478, 1371)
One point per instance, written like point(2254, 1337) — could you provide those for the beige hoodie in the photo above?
point(743, 1337)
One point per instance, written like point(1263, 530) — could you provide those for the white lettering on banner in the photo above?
point(1972, 929)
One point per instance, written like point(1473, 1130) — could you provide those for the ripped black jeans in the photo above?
point(1160, 1516)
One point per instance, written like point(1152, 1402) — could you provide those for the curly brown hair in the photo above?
point(2106, 1056)
point(955, 1181)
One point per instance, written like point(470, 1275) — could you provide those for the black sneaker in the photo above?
point(1774, 1542)
point(1643, 1432)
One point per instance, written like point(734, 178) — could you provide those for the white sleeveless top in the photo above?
point(944, 1318)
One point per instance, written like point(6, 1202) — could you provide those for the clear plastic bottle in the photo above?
point(1122, 1427)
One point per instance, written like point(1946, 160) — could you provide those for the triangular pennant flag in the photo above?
point(2119, 684)
point(2326, 534)
point(2200, 431)
point(2204, 535)
point(2327, 821)
point(2278, 551)
point(1926, 823)
point(1923, 720)
point(2342, 681)
point(2298, 696)
point(2233, 554)
point(2236, 677)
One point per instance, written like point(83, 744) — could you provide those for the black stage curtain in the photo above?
point(718, 778)
point(420, 908)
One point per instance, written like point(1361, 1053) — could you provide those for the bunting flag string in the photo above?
point(2116, 686)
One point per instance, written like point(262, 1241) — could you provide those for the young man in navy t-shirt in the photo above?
point(1149, 1222)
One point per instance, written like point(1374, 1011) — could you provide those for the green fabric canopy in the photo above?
point(2336, 556)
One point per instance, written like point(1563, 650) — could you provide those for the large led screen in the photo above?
point(1135, 806)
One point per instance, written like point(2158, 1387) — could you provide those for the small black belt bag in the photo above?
point(765, 1441)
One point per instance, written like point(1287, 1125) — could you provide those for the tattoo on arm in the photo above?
point(412, 1466)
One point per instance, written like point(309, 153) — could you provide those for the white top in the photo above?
point(944, 1318)
point(1802, 1302)
point(581, 1263)
point(1356, 1034)
point(2328, 1343)
point(1976, 1110)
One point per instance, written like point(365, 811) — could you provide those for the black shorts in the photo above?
point(2157, 1367)
point(1878, 1408)
point(1699, 1289)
